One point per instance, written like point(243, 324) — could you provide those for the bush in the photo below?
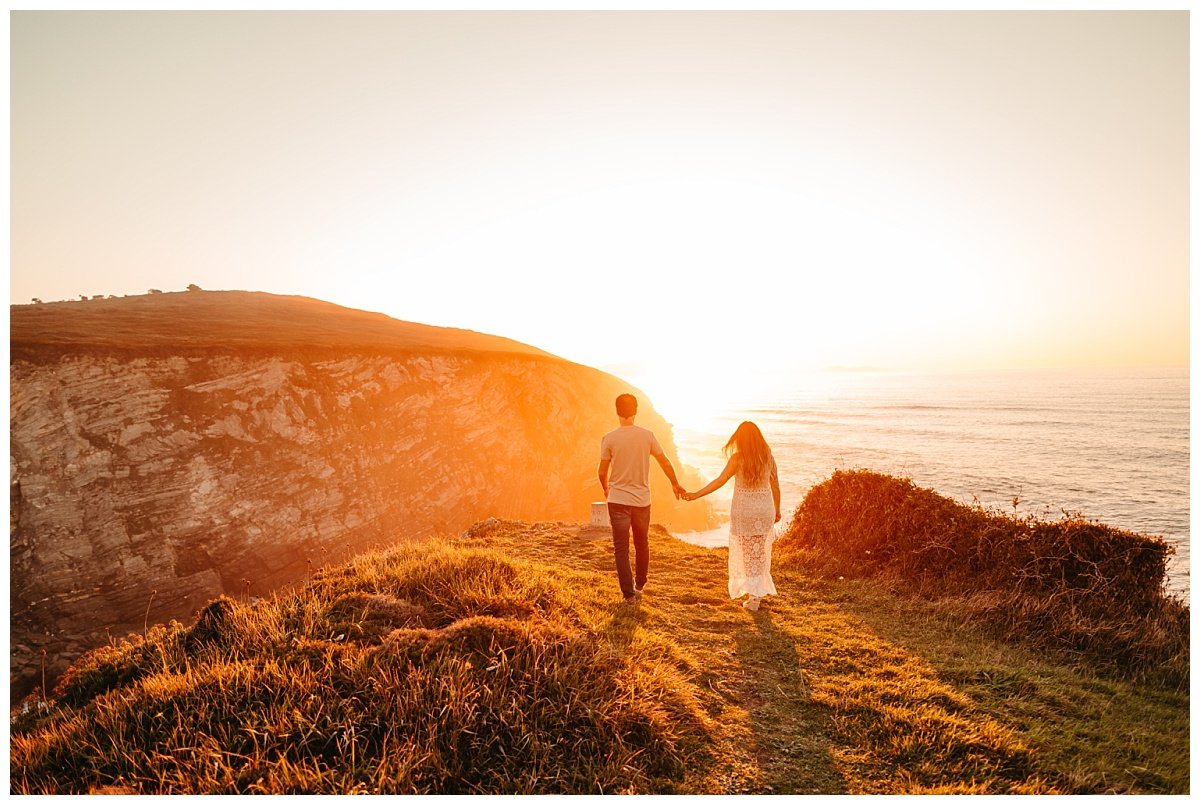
point(1077, 587)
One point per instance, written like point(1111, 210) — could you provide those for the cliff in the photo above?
point(170, 448)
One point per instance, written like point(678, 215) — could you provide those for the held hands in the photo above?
point(679, 491)
point(689, 496)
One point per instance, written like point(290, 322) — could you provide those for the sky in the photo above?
point(677, 195)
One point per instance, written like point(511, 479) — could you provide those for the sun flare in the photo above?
point(694, 394)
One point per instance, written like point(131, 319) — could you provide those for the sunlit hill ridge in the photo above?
point(213, 321)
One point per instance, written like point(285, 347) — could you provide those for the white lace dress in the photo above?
point(751, 532)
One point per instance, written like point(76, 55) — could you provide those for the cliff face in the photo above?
point(155, 470)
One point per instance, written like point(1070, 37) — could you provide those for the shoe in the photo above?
point(638, 590)
point(630, 599)
point(750, 603)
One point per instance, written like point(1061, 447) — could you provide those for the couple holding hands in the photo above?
point(625, 477)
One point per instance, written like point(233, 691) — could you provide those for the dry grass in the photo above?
point(419, 670)
point(505, 662)
point(207, 321)
point(1088, 592)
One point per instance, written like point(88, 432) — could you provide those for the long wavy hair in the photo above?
point(748, 442)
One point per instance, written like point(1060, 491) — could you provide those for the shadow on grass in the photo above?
point(626, 619)
point(1067, 728)
point(792, 749)
point(898, 727)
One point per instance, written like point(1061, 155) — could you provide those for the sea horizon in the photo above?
point(1111, 444)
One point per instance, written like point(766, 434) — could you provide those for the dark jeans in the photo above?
point(622, 518)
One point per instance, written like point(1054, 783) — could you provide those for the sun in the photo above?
point(695, 392)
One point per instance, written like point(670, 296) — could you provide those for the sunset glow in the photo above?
point(682, 403)
point(766, 191)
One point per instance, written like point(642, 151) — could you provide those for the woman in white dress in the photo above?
point(753, 515)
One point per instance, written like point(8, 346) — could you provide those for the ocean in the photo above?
point(1110, 444)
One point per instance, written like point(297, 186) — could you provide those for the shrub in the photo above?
point(1080, 588)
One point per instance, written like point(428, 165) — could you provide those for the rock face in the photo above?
point(154, 468)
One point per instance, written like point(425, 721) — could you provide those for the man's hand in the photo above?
point(669, 471)
point(680, 492)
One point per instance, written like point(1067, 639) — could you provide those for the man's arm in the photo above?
point(602, 473)
point(669, 469)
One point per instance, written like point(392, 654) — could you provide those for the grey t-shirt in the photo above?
point(629, 448)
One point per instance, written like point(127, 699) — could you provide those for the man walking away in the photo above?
point(625, 477)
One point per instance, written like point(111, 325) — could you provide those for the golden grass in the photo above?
point(418, 670)
point(504, 662)
point(206, 321)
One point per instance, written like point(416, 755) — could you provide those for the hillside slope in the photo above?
point(170, 448)
point(502, 661)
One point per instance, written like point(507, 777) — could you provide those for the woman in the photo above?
point(753, 515)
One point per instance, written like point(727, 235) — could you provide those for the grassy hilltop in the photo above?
point(501, 661)
point(207, 321)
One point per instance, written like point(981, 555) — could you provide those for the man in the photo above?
point(626, 452)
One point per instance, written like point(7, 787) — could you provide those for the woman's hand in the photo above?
point(688, 496)
point(777, 515)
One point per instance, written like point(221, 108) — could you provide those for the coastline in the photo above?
point(712, 538)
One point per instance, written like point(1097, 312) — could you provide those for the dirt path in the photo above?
point(770, 734)
point(774, 735)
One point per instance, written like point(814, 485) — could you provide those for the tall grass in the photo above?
point(504, 662)
point(1081, 589)
point(419, 670)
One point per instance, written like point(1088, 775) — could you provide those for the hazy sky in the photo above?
point(758, 190)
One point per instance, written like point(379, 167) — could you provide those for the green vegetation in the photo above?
point(503, 661)
point(1087, 592)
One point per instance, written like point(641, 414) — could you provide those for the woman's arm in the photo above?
point(727, 473)
point(775, 490)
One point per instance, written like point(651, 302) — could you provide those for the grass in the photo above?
point(418, 670)
point(504, 662)
point(208, 321)
point(1082, 732)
